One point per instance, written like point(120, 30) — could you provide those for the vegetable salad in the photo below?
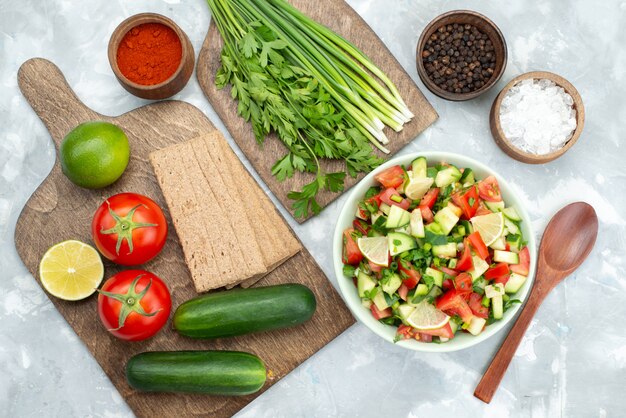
point(434, 251)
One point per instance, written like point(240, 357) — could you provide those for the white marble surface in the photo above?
point(573, 359)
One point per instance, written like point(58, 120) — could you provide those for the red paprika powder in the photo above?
point(149, 53)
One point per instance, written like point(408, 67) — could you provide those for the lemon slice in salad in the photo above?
point(416, 188)
point(71, 270)
point(375, 249)
point(426, 316)
point(490, 227)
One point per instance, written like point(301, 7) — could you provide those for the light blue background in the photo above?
point(572, 361)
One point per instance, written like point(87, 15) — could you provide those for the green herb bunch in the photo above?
point(315, 90)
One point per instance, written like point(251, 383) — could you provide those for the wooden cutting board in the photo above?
point(341, 18)
point(59, 210)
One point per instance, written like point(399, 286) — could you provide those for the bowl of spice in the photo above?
point(460, 55)
point(537, 117)
point(151, 56)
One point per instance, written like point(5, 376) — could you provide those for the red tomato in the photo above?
point(410, 276)
point(374, 267)
point(386, 197)
point(361, 226)
point(403, 291)
point(489, 189)
point(423, 337)
point(478, 244)
point(475, 304)
point(524, 263)
point(391, 177)
point(445, 331)
point(134, 305)
point(448, 271)
point(378, 314)
point(482, 210)
point(351, 253)
point(463, 201)
point(406, 331)
point(499, 270)
point(463, 283)
point(452, 302)
point(430, 198)
point(427, 214)
point(502, 279)
point(465, 262)
point(129, 229)
point(447, 284)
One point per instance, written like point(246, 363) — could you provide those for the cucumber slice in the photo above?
point(467, 177)
point(421, 290)
point(447, 219)
point(400, 242)
point(499, 244)
point(447, 176)
point(417, 224)
point(476, 325)
point(445, 251)
point(405, 310)
point(397, 217)
point(511, 226)
point(454, 326)
point(452, 263)
point(391, 284)
point(515, 242)
point(495, 206)
point(505, 257)
point(497, 306)
point(515, 282)
point(494, 290)
point(436, 275)
point(479, 267)
point(366, 303)
point(364, 284)
point(419, 167)
point(385, 208)
point(468, 227)
point(377, 215)
point(380, 301)
point(434, 228)
point(512, 214)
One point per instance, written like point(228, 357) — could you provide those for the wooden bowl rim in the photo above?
point(134, 21)
point(502, 140)
point(421, 70)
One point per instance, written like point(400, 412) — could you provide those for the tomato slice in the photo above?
point(430, 198)
point(465, 262)
point(452, 302)
point(427, 214)
point(391, 177)
point(445, 331)
point(463, 283)
point(406, 331)
point(386, 197)
point(403, 291)
point(410, 276)
point(378, 314)
point(499, 270)
point(447, 284)
point(524, 263)
point(448, 271)
point(468, 202)
point(423, 337)
point(351, 253)
point(361, 226)
point(478, 244)
point(475, 304)
point(502, 279)
point(489, 190)
point(375, 268)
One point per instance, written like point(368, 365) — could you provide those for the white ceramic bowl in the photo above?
point(349, 292)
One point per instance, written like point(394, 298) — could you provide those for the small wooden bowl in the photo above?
point(176, 82)
point(486, 26)
point(512, 150)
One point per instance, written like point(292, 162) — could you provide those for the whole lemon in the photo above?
point(94, 154)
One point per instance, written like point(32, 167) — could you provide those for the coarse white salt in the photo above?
point(537, 116)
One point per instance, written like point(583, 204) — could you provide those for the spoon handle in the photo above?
point(495, 372)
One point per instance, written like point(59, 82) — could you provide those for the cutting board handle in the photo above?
point(45, 88)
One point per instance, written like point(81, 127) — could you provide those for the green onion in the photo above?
point(396, 198)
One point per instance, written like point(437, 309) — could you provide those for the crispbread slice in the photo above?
point(275, 238)
point(209, 244)
point(234, 212)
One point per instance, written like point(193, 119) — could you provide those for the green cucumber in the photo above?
point(515, 242)
point(434, 228)
point(421, 290)
point(419, 166)
point(379, 300)
point(212, 372)
point(495, 206)
point(467, 177)
point(400, 242)
point(242, 311)
point(364, 284)
point(452, 263)
point(511, 227)
point(405, 310)
point(447, 175)
point(497, 306)
point(479, 267)
point(397, 217)
point(384, 208)
point(436, 275)
point(512, 214)
point(505, 257)
point(391, 284)
point(447, 219)
point(417, 223)
point(515, 282)
point(445, 251)
point(476, 325)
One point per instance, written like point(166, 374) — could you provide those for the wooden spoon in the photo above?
point(566, 243)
